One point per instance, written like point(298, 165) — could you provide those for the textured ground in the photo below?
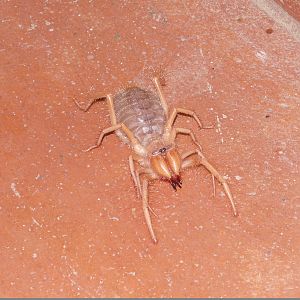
point(70, 222)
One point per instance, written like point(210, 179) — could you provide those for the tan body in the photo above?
point(159, 158)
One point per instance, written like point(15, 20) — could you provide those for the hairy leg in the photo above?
point(146, 210)
point(90, 104)
point(189, 161)
point(161, 96)
point(112, 129)
point(186, 112)
point(186, 131)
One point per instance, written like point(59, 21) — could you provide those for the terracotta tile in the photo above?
point(71, 224)
point(291, 6)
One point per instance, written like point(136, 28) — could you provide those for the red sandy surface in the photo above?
point(70, 222)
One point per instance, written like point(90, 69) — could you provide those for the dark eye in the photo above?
point(162, 150)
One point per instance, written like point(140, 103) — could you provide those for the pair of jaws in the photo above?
point(168, 167)
point(176, 182)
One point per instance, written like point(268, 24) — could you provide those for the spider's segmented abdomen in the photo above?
point(141, 112)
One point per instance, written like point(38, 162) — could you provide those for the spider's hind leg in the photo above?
point(158, 82)
point(146, 210)
point(90, 104)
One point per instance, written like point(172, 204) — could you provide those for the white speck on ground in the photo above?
point(284, 105)
point(169, 280)
point(13, 186)
point(251, 193)
point(219, 130)
point(36, 222)
point(209, 87)
point(32, 26)
point(261, 55)
point(133, 212)
point(222, 194)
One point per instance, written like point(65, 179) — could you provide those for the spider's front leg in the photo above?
point(190, 161)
